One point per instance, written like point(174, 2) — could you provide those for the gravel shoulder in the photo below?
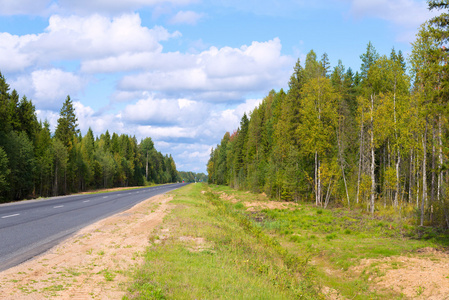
point(93, 263)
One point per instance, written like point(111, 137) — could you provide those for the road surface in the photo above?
point(29, 228)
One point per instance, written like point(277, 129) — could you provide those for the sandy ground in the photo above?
point(94, 263)
point(259, 205)
point(421, 275)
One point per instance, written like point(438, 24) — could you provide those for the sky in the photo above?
point(183, 72)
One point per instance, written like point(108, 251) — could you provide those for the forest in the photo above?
point(34, 162)
point(374, 139)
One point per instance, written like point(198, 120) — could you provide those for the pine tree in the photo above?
point(26, 113)
point(325, 65)
point(66, 129)
point(368, 59)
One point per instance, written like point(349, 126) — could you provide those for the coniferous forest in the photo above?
point(34, 162)
point(377, 138)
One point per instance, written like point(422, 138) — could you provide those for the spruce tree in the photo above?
point(67, 124)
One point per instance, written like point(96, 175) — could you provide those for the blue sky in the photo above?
point(183, 72)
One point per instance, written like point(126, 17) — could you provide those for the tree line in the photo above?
point(372, 139)
point(34, 162)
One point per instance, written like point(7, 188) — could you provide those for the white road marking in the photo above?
point(59, 206)
point(14, 215)
point(105, 197)
point(86, 201)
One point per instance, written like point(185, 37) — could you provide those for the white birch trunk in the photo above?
point(398, 161)
point(360, 160)
point(424, 175)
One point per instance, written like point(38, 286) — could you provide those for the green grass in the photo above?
point(215, 249)
point(338, 239)
point(213, 252)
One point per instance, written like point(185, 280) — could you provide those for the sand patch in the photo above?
point(94, 263)
point(259, 205)
point(253, 206)
point(422, 276)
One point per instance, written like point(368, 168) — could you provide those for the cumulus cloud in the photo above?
point(224, 120)
point(186, 17)
point(88, 118)
point(13, 56)
point(188, 157)
point(172, 133)
point(85, 38)
point(193, 156)
point(165, 112)
point(170, 61)
point(220, 71)
point(49, 115)
point(49, 88)
point(99, 123)
point(78, 37)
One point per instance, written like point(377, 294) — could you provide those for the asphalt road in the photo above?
point(29, 228)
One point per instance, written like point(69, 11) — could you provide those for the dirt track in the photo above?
point(94, 263)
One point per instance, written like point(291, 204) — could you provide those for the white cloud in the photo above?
point(87, 118)
point(186, 17)
point(116, 6)
point(49, 88)
point(218, 72)
point(49, 115)
point(170, 61)
point(98, 36)
point(85, 38)
point(188, 157)
point(166, 133)
point(12, 55)
point(163, 112)
point(408, 13)
point(23, 7)
point(227, 120)
point(45, 7)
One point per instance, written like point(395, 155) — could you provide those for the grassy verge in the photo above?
point(206, 250)
point(214, 247)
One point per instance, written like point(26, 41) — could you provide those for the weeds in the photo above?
point(108, 275)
